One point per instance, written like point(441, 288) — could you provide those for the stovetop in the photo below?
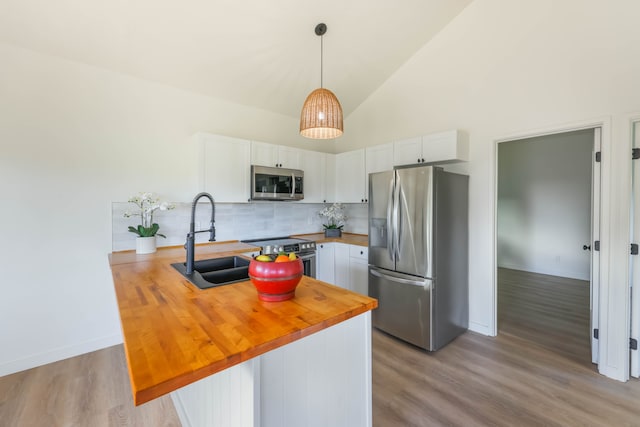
point(285, 244)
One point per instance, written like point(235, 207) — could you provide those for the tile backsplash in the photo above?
point(234, 221)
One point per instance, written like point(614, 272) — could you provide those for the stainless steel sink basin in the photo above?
point(209, 273)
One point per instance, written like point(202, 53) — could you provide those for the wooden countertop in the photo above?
point(348, 238)
point(175, 334)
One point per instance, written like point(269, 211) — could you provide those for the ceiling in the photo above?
point(260, 53)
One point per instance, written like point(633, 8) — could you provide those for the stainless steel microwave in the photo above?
point(269, 183)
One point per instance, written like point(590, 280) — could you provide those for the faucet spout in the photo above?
point(191, 236)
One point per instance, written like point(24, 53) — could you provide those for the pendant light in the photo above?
point(321, 116)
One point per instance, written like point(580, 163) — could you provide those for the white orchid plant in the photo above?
point(335, 216)
point(147, 204)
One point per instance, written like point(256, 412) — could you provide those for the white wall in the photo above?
point(544, 204)
point(74, 139)
point(505, 68)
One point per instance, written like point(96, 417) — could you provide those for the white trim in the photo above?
point(615, 238)
point(611, 343)
point(57, 354)
point(634, 315)
point(596, 259)
point(480, 328)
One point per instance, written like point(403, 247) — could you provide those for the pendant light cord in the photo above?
point(321, 58)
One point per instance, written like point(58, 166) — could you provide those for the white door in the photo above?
point(595, 242)
point(635, 260)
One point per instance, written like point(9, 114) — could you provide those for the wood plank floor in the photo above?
point(84, 391)
point(548, 310)
point(536, 372)
point(508, 380)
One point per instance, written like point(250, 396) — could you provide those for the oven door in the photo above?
point(268, 183)
point(309, 263)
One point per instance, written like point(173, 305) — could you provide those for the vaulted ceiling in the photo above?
point(260, 53)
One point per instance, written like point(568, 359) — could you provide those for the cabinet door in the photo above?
point(325, 268)
point(314, 165)
point(225, 167)
point(350, 177)
point(288, 157)
point(444, 147)
point(341, 258)
point(330, 179)
point(378, 158)
point(407, 151)
point(358, 269)
point(264, 154)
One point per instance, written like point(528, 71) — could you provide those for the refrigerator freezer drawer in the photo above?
point(404, 306)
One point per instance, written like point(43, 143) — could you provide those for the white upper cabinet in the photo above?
point(224, 167)
point(407, 151)
point(273, 155)
point(330, 182)
point(378, 158)
point(350, 177)
point(314, 165)
point(443, 147)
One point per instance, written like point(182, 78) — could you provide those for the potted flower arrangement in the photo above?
point(336, 219)
point(147, 230)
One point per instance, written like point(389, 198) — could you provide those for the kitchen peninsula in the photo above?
point(229, 359)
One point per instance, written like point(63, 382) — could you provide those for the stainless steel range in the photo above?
point(305, 249)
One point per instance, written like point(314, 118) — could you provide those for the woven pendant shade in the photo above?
point(321, 116)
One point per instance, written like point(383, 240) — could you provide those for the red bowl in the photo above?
point(275, 281)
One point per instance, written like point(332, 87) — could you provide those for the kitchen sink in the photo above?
point(209, 273)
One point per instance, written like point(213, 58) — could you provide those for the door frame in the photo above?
point(635, 238)
point(613, 361)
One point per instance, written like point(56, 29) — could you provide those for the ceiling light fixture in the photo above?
point(321, 116)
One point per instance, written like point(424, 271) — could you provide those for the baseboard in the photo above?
point(480, 328)
point(57, 354)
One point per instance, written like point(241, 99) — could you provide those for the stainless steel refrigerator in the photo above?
point(418, 254)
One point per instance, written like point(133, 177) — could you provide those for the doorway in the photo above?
point(544, 240)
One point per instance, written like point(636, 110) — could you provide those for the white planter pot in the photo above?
point(145, 245)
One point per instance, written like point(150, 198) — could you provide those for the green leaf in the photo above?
point(133, 230)
point(161, 235)
point(144, 231)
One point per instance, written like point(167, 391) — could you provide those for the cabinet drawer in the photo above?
point(361, 252)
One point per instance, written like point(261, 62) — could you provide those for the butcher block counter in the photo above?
point(347, 238)
point(176, 334)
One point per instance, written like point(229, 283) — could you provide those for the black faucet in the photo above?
point(191, 237)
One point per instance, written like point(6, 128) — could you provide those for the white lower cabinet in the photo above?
point(344, 265)
point(359, 269)
point(325, 264)
point(341, 262)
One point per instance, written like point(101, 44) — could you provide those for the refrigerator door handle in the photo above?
point(420, 283)
point(390, 229)
point(396, 216)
